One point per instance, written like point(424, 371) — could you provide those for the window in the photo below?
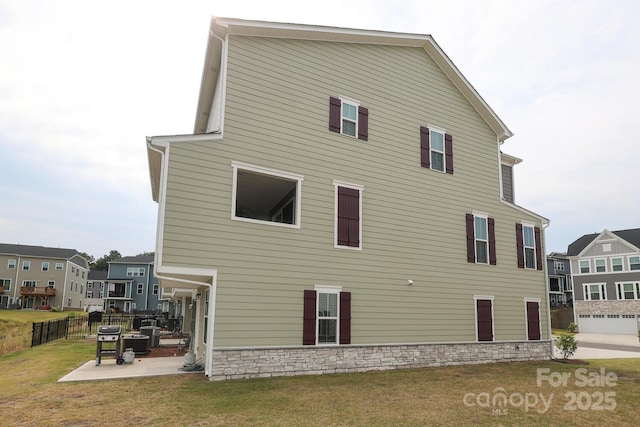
point(26, 265)
point(529, 246)
point(634, 263)
point(5, 284)
point(481, 239)
point(11, 264)
point(484, 318)
point(348, 117)
point(156, 287)
point(135, 271)
point(348, 212)
point(69, 302)
point(616, 264)
point(628, 290)
point(83, 274)
point(140, 288)
point(606, 247)
point(29, 283)
point(594, 292)
point(327, 316)
point(73, 269)
point(45, 266)
point(266, 196)
point(532, 307)
point(89, 294)
point(51, 284)
point(436, 149)
point(585, 266)
point(558, 265)
point(601, 265)
point(59, 266)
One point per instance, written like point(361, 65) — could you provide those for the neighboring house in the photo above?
point(95, 290)
point(38, 277)
point(130, 285)
point(340, 207)
point(605, 268)
point(559, 273)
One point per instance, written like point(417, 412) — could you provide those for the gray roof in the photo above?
point(37, 251)
point(632, 236)
point(139, 259)
point(97, 275)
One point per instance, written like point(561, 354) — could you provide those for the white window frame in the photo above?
point(613, 266)
point(59, 266)
point(588, 261)
point(89, 294)
point(485, 217)
point(140, 288)
point(360, 189)
point(156, 289)
point(321, 289)
point(433, 150)
point(45, 266)
point(356, 104)
point(275, 173)
point(493, 311)
point(51, 284)
point(602, 291)
point(525, 246)
point(603, 262)
point(2, 283)
point(29, 283)
point(135, 271)
point(636, 263)
point(558, 265)
point(620, 290)
point(11, 264)
point(26, 265)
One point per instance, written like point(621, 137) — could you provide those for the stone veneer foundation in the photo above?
point(271, 362)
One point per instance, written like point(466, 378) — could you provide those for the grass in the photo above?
point(416, 397)
point(15, 327)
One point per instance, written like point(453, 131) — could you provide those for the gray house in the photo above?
point(340, 206)
point(605, 268)
point(130, 286)
point(560, 284)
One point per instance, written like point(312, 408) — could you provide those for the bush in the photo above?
point(572, 327)
point(567, 345)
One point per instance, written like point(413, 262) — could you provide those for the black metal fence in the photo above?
point(78, 327)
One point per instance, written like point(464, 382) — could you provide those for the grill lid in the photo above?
point(109, 330)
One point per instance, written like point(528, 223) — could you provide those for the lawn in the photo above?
point(458, 395)
point(15, 327)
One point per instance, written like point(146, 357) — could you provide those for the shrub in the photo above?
point(572, 327)
point(567, 345)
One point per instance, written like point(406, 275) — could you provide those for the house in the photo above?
point(130, 285)
point(605, 269)
point(340, 207)
point(39, 277)
point(95, 290)
point(560, 285)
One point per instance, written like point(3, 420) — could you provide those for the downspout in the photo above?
point(211, 286)
point(546, 279)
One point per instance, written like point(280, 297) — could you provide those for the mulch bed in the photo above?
point(164, 351)
point(571, 361)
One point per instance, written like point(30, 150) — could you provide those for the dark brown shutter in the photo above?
point(471, 241)
point(485, 322)
point(538, 248)
point(309, 315)
point(348, 217)
point(491, 225)
point(335, 107)
point(533, 320)
point(448, 153)
point(363, 123)
point(345, 317)
point(425, 158)
point(520, 245)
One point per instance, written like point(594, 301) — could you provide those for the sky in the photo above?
point(82, 83)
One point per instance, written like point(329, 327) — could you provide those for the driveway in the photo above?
point(605, 346)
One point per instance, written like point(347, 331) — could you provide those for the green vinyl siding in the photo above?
point(276, 116)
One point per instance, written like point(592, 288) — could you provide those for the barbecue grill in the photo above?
point(109, 343)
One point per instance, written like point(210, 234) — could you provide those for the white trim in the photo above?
point(475, 310)
point(352, 102)
point(271, 172)
point(526, 318)
point(595, 265)
point(321, 289)
point(360, 189)
point(620, 290)
point(476, 239)
point(525, 246)
point(602, 290)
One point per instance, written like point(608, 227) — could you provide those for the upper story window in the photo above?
point(585, 266)
point(29, 283)
point(140, 288)
point(348, 117)
point(628, 290)
point(266, 196)
point(529, 245)
point(595, 292)
point(156, 288)
point(617, 264)
point(26, 265)
point(11, 264)
point(59, 266)
point(481, 239)
point(51, 284)
point(5, 284)
point(45, 266)
point(73, 269)
point(135, 271)
point(558, 265)
point(436, 149)
point(348, 215)
point(634, 263)
point(601, 265)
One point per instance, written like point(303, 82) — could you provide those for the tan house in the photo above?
point(340, 207)
point(39, 277)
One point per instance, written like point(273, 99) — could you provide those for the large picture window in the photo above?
point(266, 196)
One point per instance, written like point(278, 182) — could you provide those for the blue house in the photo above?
point(132, 287)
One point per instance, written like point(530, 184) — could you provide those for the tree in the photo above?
point(90, 260)
point(102, 263)
point(147, 254)
point(567, 345)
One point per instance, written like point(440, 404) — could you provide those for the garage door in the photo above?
point(607, 325)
